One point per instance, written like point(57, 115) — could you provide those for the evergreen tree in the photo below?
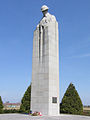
point(25, 102)
point(1, 105)
point(71, 102)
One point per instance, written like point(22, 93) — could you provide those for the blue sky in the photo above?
point(18, 20)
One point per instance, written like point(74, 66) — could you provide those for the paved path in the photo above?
point(28, 117)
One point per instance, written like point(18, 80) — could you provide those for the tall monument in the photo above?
point(45, 66)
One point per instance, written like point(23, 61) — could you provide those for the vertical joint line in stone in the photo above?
point(39, 40)
point(43, 42)
point(55, 35)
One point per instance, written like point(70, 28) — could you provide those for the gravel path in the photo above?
point(28, 117)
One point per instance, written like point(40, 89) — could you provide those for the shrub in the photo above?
point(25, 102)
point(71, 102)
point(1, 105)
point(10, 111)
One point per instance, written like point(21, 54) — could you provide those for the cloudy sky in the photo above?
point(18, 20)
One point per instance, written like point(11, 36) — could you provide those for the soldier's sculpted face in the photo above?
point(45, 12)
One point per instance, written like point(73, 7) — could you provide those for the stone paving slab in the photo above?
point(28, 117)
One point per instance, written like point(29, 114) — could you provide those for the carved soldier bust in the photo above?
point(47, 17)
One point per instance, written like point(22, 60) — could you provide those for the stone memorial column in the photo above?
point(45, 66)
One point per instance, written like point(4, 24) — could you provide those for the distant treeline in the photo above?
point(87, 106)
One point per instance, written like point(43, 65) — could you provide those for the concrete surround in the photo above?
point(28, 117)
point(45, 66)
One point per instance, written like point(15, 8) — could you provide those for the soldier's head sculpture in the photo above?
point(44, 10)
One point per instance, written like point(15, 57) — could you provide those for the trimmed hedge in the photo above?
point(71, 102)
point(1, 105)
point(25, 102)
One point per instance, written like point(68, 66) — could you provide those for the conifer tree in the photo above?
point(25, 102)
point(71, 102)
point(1, 105)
